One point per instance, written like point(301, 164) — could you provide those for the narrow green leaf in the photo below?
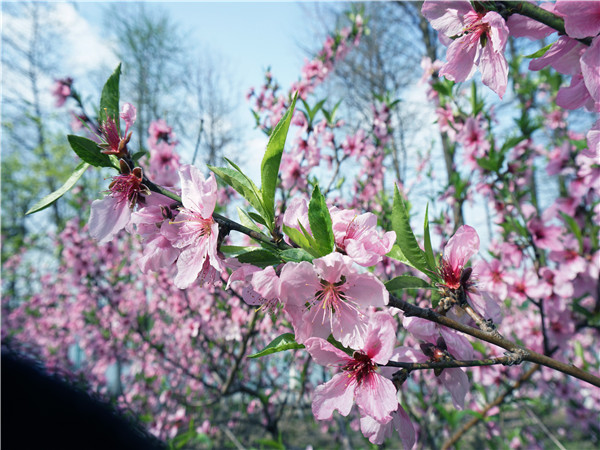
point(250, 182)
point(299, 238)
point(281, 343)
point(240, 183)
point(407, 282)
point(89, 151)
point(257, 218)
point(320, 223)
point(405, 237)
point(235, 250)
point(51, 198)
point(109, 100)
point(260, 258)
point(295, 255)
point(541, 52)
point(429, 256)
point(247, 221)
point(269, 169)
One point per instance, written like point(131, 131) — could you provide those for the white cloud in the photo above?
point(86, 50)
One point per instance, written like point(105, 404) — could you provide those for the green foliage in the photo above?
point(51, 198)
point(259, 257)
point(89, 151)
point(242, 185)
point(541, 52)
point(286, 341)
point(320, 223)
point(269, 169)
point(109, 100)
point(405, 238)
point(407, 282)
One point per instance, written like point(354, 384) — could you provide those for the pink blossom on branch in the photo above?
point(478, 41)
point(111, 214)
point(360, 379)
point(194, 230)
point(330, 296)
point(357, 236)
point(458, 279)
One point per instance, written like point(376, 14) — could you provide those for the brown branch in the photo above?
point(504, 360)
point(494, 338)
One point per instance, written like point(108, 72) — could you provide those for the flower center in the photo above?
point(126, 187)
point(360, 367)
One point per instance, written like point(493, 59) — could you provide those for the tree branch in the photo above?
point(494, 338)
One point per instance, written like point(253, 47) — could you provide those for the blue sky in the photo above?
point(249, 35)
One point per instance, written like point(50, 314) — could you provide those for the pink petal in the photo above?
point(460, 65)
point(457, 383)
point(575, 96)
point(376, 396)
point(446, 17)
point(494, 70)
point(590, 68)
point(582, 18)
point(108, 216)
point(367, 289)
point(522, 26)
point(336, 394)
point(197, 194)
point(405, 428)
point(189, 265)
point(381, 337)
point(563, 56)
point(333, 266)
point(461, 246)
point(324, 353)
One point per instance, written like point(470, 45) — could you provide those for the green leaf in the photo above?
point(300, 239)
point(407, 282)
point(235, 250)
point(260, 258)
point(281, 343)
point(138, 155)
point(269, 169)
point(257, 218)
point(429, 256)
point(405, 237)
point(541, 52)
point(240, 183)
point(247, 221)
point(109, 100)
point(51, 198)
point(295, 255)
point(320, 223)
point(89, 151)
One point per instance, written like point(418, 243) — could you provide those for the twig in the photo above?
point(527, 354)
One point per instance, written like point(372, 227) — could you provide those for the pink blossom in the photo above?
point(328, 297)
point(157, 251)
point(357, 236)
point(523, 26)
point(481, 42)
point(545, 236)
point(377, 432)
point(128, 114)
point(459, 280)
point(111, 214)
point(455, 380)
point(359, 380)
point(582, 19)
point(62, 90)
point(194, 230)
